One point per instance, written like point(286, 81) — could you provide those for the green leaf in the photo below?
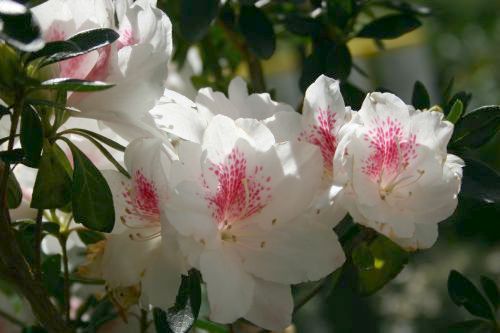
point(463, 96)
point(480, 182)
point(53, 184)
point(339, 12)
point(258, 31)
point(182, 316)
point(353, 96)
point(491, 290)
point(89, 236)
point(388, 260)
point(51, 228)
point(12, 156)
point(31, 136)
point(97, 136)
point(314, 65)
point(14, 192)
point(92, 200)
point(409, 8)
point(477, 127)
point(472, 326)
point(66, 84)
point(196, 17)
point(18, 27)
point(362, 257)
point(390, 26)
point(420, 98)
point(210, 326)
point(456, 112)
point(34, 329)
point(51, 276)
point(463, 293)
point(303, 25)
point(338, 62)
point(80, 43)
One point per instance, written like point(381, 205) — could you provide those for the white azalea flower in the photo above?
point(397, 174)
point(238, 201)
point(323, 115)
point(136, 62)
point(140, 250)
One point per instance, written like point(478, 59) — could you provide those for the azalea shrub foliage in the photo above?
point(229, 202)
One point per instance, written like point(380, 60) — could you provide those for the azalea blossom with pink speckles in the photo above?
point(136, 63)
point(140, 251)
point(238, 201)
point(398, 177)
point(323, 115)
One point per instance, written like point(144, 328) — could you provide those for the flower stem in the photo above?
point(37, 264)
point(67, 284)
point(144, 321)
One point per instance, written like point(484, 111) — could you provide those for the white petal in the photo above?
point(262, 138)
point(272, 306)
point(378, 107)
point(230, 290)
point(294, 252)
point(425, 236)
point(285, 126)
point(215, 103)
point(431, 130)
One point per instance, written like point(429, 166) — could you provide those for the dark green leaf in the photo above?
point(314, 65)
point(181, 317)
point(338, 62)
point(340, 11)
point(90, 237)
point(491, 290)
point(196, 17)
point(456, 112)
point(31, 136)
point(66, 84)
point(34, 329)
point(14, 192)
point(99, 137)
point(12, 156)
point(304, 26)
point(480, 182)
point(53, 184)
point(420, 98)
point(353, 96)
point(258, 31)
point(92, 200)
point(4, 111)
point(407, 7)
point(463, 293)
point(362, 257)
point(471, 326)
point(80, 43)
point(477, 127)
point(390, 26)
point(388, 260)
point(18, 27)
point(51, 276)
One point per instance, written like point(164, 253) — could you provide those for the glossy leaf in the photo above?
point(12, 156)
point(92, 200)
point(14, 192)
point(53, 184)
point(362, 257)
point(463, 96)
point(196, 17)
point(477, 127)
point(258, 31)
point(388, 260)
point(31, 136)
point(491, 290)
point(182, 316)
point(78, 44)
point(420, 98)
point(463, 293)
point(303, 25)
point(18, 27)
point(66, 84)
point(390, 26)
point(480, 182)
point(353, 96)
point(338, 62)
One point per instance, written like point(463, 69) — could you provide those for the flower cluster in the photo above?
point(240, 187)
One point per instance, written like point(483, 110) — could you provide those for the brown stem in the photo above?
point(13, 265)
point(37, 261)
point(67, 283)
